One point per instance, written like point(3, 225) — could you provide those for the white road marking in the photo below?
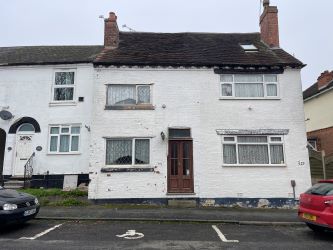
point(42, 233)
point(131, 235)
point(221, 235)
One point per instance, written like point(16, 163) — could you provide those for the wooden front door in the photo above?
point(180, 166)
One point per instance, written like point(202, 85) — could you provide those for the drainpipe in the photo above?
point(323, 162)
point(293, 184)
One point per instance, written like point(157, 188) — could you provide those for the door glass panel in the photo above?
point(174, 159)
point(186, 158)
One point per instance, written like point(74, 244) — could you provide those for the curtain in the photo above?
point(75, 143)
point(253, 154)
point(53, 143)
point(252, 139)
point(270, 78)
point(226, 78)
point(64, 143)
point(118, 95)
point(143, 94)
point(119, 152)
point(64, 78)
point(249, 90)
point(277, 154)
point(141, 151)
point(248, 78)
point(63, 94)
point(229, 154)
point(271, 89)
point(226, 90)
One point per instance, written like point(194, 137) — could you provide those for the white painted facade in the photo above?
point(26, 91)
point(191, 98)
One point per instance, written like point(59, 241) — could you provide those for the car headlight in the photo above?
point(9, 207)
point(36, 201)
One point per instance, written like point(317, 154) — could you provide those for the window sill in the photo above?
point(250, 98)
point(126, 169)
point(254, 165)
point(169, 194)
point(68, 103)
point(130, 107)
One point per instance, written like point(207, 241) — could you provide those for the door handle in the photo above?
point(23, 159)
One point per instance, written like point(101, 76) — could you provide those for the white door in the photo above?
point(23, 152)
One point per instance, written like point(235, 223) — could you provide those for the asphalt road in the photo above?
point(44, 234)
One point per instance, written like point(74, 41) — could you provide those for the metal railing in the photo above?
point(28, 170)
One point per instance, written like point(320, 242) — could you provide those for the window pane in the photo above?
point(253, 154)
point(229, 138)
point(179, 133)
point(226, 90)
point(141, 151)
point(119, 152)
point(64, 143)
point(75, 143)
point(63, 94)
point(277, 154)
point(226, 78)
point(276, 139)
point(271, 89)
point(54, 130)
point(229, 154)
point(53, 143)
point(143, 94)
point(249, 90)
point(270, 78)
point(64, 130)
point(75, 130)
point(64, 78)
point(252, 139)
point(186, 158)
point(27, 127)
point(120, 95)
point(248, 78)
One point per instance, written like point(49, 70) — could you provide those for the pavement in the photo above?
point(241, 216)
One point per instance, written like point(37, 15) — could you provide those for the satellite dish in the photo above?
point(5, 115)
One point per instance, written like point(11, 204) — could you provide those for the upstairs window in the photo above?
point(249, 47)
point(64, 86)
point(256, 86)
point(122, 95)
point(253, 150)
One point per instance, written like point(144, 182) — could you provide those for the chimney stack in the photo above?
point(111, 31)
point(324, 79)
point(269, 25)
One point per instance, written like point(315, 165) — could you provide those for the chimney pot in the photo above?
point(266, 3)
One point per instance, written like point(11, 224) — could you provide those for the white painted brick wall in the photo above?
point(27, 91)
point(192, 100)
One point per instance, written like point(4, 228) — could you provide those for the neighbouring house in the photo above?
point(46, 102)
point(318, 103)
point(213, 118)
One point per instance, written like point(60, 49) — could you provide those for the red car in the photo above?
point(316, 206)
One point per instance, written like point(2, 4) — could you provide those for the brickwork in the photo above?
point(111, 31)
point(269, 26)
point(324, 139)
point(325, 78)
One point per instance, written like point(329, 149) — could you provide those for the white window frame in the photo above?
point(268, 143)
point(60, 126)
point(232, 83)
point(133, 152)
point(54, 86)
point(136, 94)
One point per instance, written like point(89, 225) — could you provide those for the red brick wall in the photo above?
point(269, 26)
point(111, 31)
point(324, 139)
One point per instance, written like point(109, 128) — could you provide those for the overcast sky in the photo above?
point(305, 25)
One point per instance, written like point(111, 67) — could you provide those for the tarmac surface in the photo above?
point(69, 234)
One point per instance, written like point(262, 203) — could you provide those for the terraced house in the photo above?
point(214, 118)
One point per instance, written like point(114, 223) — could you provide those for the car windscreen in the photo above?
point(321, 189)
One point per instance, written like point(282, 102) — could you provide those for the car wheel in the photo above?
point(316, 228)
